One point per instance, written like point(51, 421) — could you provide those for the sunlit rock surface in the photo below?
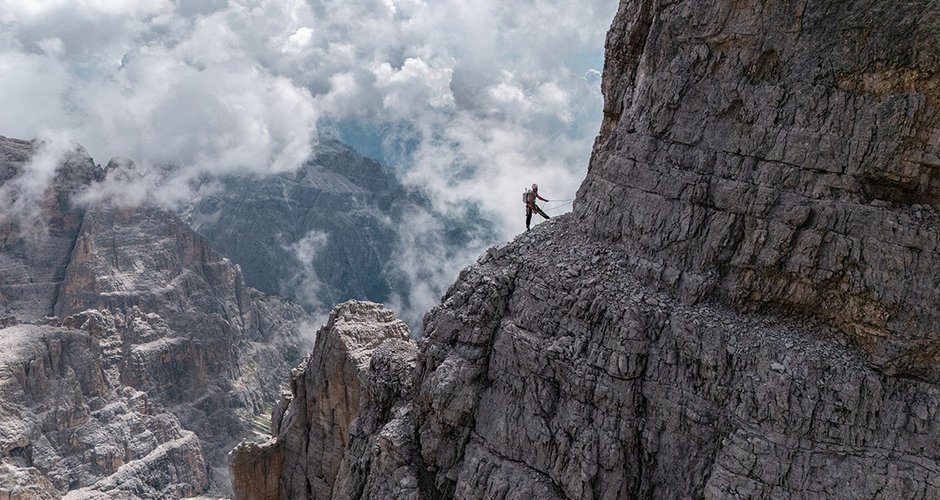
point(151, 313)
point(362, 358)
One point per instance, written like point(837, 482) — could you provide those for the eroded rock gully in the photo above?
point(743, 303)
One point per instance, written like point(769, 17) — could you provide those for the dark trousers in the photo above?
point(528, 214)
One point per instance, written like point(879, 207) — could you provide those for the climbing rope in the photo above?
point(555, 208)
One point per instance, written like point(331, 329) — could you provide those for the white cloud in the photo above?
point(298, 41)
point(32, 94)
point(155, 86)
point(306, 283)
point(488, 95)
point(413, 86)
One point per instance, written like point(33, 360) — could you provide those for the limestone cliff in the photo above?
point(313, 424)
point(780, 157)
point(70, 424)
point(178, 331)
point(742, 305)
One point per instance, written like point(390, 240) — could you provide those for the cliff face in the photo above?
point(312, 426)
point(780, 157)
point(36, 241)
point(743, 303)
point(70, 424)
point(176, 328)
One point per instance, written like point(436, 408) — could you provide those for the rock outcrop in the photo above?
point(742, 305)
point(36, 235)
point(354, 364)
point(165, 316)
point(69, 422)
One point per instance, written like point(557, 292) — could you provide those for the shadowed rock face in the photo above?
point(186, 333)
point(742, 305)
point(779, 157)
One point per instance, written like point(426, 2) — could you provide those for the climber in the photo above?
point(530, 206)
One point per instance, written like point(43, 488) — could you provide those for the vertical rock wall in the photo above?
point(312, 429)
point(779, 156)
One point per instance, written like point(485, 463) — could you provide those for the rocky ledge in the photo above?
point(550, 371)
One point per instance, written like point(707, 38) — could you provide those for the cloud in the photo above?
point(155, 86)
point(473, 100)
point(489, 95)
point(428, 258)
point(306, 284)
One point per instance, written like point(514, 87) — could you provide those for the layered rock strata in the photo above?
point(743, 303)
point(68, 421)
point(361, 358)
point(185, 330)
point(779, 157)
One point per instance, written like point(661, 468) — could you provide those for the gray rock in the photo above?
point(743, 303)
point(68, 420)
point(355, 363)
point(169, 318)
point(754, 154)
point(35, 244)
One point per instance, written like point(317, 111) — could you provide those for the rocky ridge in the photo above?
point(742, 305)
point(553, 372)
point(163, 319)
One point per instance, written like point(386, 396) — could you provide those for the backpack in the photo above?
point(525, 196)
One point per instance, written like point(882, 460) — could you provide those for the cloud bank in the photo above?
point(472, 101)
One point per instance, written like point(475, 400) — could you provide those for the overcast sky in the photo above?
point(484, 97)
point(491, 95)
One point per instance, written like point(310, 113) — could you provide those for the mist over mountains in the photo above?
point(134, 354)
point(341, 227)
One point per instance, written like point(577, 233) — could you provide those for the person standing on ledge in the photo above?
point(530, 206)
